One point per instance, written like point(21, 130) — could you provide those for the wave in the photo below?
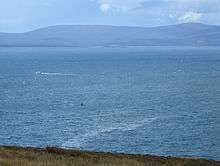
point(54, 74)
point(80, 140)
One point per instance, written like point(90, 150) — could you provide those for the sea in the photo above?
point(140, 100)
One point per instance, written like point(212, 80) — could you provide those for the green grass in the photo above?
point(51, 156)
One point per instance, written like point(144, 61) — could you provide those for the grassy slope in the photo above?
point(17, 156)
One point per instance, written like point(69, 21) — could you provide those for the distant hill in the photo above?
point(188, 34)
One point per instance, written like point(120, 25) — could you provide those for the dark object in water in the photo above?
point(82, 104)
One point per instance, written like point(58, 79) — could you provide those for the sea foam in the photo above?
point(81, 140)
point(54, 74)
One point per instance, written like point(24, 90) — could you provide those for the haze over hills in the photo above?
point(188, 34)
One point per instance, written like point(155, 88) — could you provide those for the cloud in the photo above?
point(118, 6)
point(105, 7)
point(180, 10)
point(161, 12)
point(190, 17)
point(192, 10)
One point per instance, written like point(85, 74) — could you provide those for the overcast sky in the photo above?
point(25, 15)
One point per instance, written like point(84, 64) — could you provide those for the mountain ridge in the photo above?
point(186, 34)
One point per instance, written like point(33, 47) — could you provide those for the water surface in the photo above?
point(154, 100)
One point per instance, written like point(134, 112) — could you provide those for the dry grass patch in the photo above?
point(51, 156)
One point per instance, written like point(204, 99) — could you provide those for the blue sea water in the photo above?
point(148, 100)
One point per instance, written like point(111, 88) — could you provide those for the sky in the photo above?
point(26, 15)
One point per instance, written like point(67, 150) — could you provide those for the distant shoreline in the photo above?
point(188, 34)
point(13, 155)
point(144, 46)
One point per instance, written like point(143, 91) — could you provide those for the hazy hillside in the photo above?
point(189, 34)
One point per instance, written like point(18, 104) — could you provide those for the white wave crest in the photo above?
point(54, 74)
point(81, 140)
